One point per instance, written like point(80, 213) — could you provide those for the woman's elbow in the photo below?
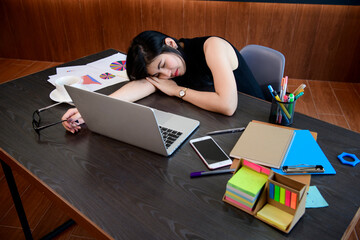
point(228, 105)
point(228, 110)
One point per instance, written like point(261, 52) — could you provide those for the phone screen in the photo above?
point(210, 151)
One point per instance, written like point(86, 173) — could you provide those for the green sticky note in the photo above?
point(248, 181)
point(277, 193)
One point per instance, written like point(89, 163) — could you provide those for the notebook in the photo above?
point(132, 123)
point(263, 144)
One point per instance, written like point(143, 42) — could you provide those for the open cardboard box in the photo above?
point(263, 199)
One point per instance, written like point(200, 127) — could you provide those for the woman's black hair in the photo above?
point(144, 48)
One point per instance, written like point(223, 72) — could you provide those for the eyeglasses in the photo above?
point(37, 119)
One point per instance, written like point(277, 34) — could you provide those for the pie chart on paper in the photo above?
point(107, 76)
point(118, 65)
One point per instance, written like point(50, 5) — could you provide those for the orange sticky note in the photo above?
point(293, 200)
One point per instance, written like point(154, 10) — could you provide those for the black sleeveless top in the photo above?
point(198, 75)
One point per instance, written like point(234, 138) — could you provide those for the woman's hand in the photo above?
point(73, 120)
point(167, 86)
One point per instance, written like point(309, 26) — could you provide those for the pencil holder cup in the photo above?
point(282, 113)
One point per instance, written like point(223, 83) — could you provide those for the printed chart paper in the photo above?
point(96, 75)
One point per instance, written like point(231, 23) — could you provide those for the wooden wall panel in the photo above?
point(282, 31)
point(194, 18)
point(173, 19)
point(58, 33)
point(320, 42)
point(27, 36)
point(121, 21)
point(260, 21)
point(152, 15)
point(347, 66)
point(237, 22)
point(326, 40)
point(7, 36)
point(307, 17)
point(90, 29)
point(215, 18)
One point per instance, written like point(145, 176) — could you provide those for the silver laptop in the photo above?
point(135, 124)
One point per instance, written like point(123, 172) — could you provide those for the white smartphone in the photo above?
point(210, 152)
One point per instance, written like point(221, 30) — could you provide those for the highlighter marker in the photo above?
point(281, 105)
point(301, 87)
point(271, 90)
point(299, 95)
point(291, 106)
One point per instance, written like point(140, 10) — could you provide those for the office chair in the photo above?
point(267, 66)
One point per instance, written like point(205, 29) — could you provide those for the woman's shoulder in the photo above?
point(217, 46)
point(217, 42)
point(217, 49)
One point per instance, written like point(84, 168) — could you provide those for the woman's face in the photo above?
point(167, 66)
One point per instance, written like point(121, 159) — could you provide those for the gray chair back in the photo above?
point(267, 66)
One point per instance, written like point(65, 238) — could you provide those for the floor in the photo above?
point(334, 102)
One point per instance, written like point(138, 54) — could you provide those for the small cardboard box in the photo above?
point(287, 184)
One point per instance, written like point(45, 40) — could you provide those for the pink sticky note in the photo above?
point(287, 198)
point(252, 166)
point(265, 170)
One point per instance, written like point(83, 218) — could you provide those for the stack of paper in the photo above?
point(275, 216)
point(244, 187)
point(96, 75)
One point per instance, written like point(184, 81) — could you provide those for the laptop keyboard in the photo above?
point(169, 135)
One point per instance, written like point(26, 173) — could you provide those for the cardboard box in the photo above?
point(291, 215)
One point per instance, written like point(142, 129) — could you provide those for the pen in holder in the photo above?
point(282, 113)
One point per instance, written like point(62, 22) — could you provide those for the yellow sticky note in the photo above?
point(282, 195)
point(275, 216)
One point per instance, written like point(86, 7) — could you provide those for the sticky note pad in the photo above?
point(277, 193)
point(275, 216)
point(248, 181)
point(239, 199)
point(271, 190)
point(282, 195)
point(293, 200)
point(241, 194)
point(237, 203)
point(287, 198)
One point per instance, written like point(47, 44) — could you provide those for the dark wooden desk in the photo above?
point(120, 191)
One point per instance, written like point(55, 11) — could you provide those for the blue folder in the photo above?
point(305, 150)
